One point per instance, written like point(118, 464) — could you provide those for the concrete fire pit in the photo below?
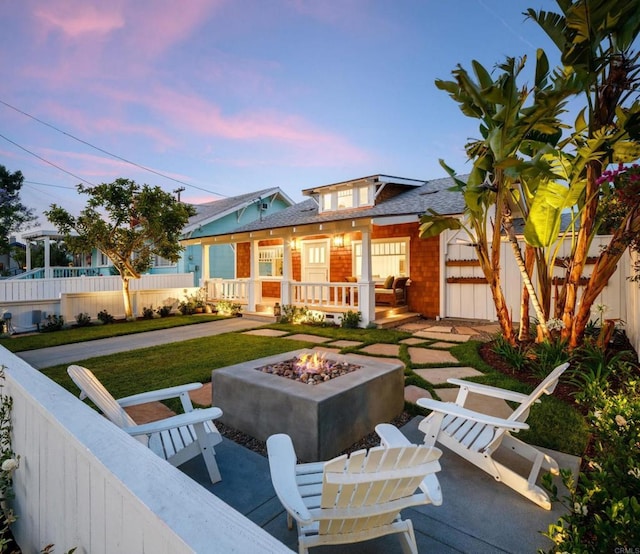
point(322, 420)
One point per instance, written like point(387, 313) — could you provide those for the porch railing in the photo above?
point(62, 272)
point(327, 295)
point(228, 289)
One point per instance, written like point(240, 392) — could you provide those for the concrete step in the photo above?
point(390, 321)
point(259, 316)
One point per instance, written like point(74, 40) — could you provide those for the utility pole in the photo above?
point(178, 191)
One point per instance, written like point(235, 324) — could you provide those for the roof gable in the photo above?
point(217, 209)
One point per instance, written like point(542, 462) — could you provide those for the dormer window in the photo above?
point(346, 198)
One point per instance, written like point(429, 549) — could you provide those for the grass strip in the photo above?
point(70, 335)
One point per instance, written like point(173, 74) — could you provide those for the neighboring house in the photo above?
point(365, 230)
point(219, 217)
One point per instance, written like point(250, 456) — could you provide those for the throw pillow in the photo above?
point(388, 282)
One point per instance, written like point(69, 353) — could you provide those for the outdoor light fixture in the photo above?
point(293, 244)
point(338, 240)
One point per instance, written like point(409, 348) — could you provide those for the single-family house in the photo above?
point(352, 246)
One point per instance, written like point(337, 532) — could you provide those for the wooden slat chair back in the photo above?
point(476, 436)
point(352, 498)
point(177, 439)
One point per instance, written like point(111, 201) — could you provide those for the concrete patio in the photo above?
point(478, 515)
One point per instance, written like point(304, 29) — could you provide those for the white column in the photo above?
point(367, 293)
point(28, 251)
point(47, 257)
point(206, 269)
point(254, 294)
point(285, 286)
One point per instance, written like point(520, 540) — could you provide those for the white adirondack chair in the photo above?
point(177, 439)
point(353, 498)
point(476, 436)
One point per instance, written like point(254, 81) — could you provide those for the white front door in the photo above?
point(315, 264)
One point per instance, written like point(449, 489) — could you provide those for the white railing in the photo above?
point(327, 295)
point(84, 483)
point(228, 289)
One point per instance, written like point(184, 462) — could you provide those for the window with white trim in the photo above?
point(346, 198)
point(270, 261)
point(388, 257)
point(159, 261)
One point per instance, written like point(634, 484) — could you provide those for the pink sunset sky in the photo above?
point(223, 97)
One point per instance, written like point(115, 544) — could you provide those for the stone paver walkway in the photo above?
point(382, 349)
point(266, 333)
point(439, 375)
point(307, 338)
point(428, 356)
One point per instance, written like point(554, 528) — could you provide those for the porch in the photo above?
point(390, 306)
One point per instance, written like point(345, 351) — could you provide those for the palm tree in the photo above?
point(595, 38)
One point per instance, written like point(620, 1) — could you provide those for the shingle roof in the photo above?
point(432, 195)
point(210, 210)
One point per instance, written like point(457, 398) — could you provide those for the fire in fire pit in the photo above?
point(310, 368)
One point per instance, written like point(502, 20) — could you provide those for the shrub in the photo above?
point(52, 323)
point(226, 307)
point(604, 511)
point(83, 320)
point(351, 319)
point(147, 313)
point(164, 311)
point(515, 356)
point(106, 317)
point(547, 355)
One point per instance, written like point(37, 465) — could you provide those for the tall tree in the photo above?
point(14, 215)
point(129, 223)
point(596, 41)
point(514, 131)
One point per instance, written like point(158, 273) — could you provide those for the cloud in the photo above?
point(77, 18)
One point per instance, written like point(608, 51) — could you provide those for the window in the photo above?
point(159, 261)
point(103, 259)
point(326, 201)
point(345, 199)
point(270, 261)
point(388, 257)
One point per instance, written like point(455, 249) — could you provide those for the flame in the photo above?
point(311, 363)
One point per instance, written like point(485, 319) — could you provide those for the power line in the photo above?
point(140, 166)
point(46, 161)
point(49, 185)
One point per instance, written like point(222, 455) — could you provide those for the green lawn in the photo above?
point(554, 424)
point(69, 335)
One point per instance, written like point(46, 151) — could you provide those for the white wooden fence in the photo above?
point(632, 303)
point(464, 298)
point(71, 296)
point(21, 290)
point(84, 483)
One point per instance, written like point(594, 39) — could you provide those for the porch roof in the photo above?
point(434, 195)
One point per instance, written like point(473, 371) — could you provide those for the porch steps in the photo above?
point(263, 317)
point(387, 321)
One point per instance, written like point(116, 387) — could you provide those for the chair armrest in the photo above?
point(458, 411)
point(180, 420)
point(155, 395)
point(391, 437)
point(487, 390)
point(282, 465)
